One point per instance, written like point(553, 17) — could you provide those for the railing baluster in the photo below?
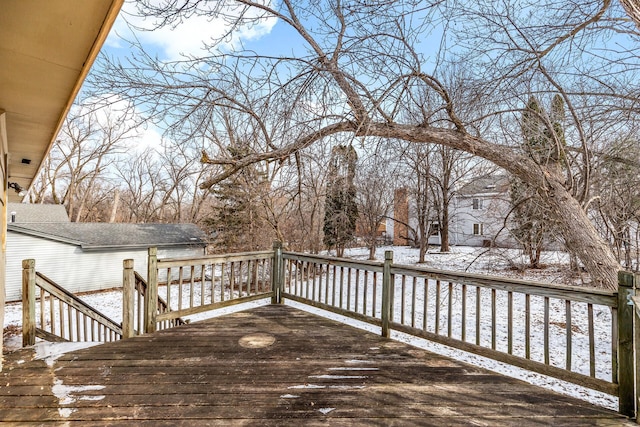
point(414, 283)
point(425, 289)
point(449, 309)
point(510, 322)
point(569, 333)
point(546, 330)
point(493, 319)
point(61, 318)
point(463, 314)
point(527, 326)
point(42, 308)
point(365, 294)
point(333, 286)
point(478, 311)
point(437, 307)
point(357, 287)
point(349, 289)
point(341, 285)
point(614, 345)
point(402, 298)
point(168, 287)
point(592, 347)
point(375, 294)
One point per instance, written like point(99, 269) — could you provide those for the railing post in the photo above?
point(636, 320)
point(28, 302)
point(386, 294)
point(627, 284)
point(151, 296)
point(277, 278)
point(128, 303)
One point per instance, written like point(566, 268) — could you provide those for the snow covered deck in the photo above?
point(274, 365)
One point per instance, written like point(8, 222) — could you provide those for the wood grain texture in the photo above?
point(269, 366)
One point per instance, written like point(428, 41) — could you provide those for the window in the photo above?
point(478, 229)
point(477, 203)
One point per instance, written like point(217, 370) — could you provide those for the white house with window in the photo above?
point(478, 213)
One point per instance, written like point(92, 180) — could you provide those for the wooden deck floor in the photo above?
point(269, 366)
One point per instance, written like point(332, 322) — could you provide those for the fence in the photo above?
point(535, 326)
point(581, 335)
point(196, 285)
point(52, 313)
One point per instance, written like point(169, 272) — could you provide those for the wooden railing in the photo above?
point(134, 293)
point(197, 285)
point(52, 313)
point(540, 327)
point(535, 326)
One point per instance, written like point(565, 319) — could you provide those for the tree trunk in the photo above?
point(582, 238)
point(114, 209)
point(444, 228)
point(372, 251)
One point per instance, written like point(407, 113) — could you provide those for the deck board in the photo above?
point(315, 372)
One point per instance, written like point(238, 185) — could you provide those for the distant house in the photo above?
point(88, 256)
point(477, 212)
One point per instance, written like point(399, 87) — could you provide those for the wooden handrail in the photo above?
point(67, 302)
point(61, 293)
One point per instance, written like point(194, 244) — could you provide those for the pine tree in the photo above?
point(237, 222)
point(341, 210)
point(533, 223)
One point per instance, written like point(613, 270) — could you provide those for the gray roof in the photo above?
point(27, 212)
point(114, 235)
point(485, 185)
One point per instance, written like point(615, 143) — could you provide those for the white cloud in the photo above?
point(188, 37)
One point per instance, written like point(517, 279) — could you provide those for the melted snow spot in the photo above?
point(306, 386)
point(338, 377)
point(325, 411)
point(289, 396)
point(353, 369)
point(66, 412)
point(65, 393)
point(50, 352)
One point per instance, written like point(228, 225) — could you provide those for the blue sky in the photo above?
point(189, 36)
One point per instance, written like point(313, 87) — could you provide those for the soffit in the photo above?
point(46, 50)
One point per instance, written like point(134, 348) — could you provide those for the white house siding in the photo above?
point(489, 216)
point(74, 269)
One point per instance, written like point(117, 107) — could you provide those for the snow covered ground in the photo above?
point(501, 262)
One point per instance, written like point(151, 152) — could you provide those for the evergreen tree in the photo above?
point(341, 210)
point(544, 141)
point(237, 222)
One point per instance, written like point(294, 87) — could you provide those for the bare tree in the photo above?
point(77, 170)
point(375, 184)
point(358, 69)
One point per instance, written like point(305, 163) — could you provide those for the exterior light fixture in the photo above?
point(18, 188)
